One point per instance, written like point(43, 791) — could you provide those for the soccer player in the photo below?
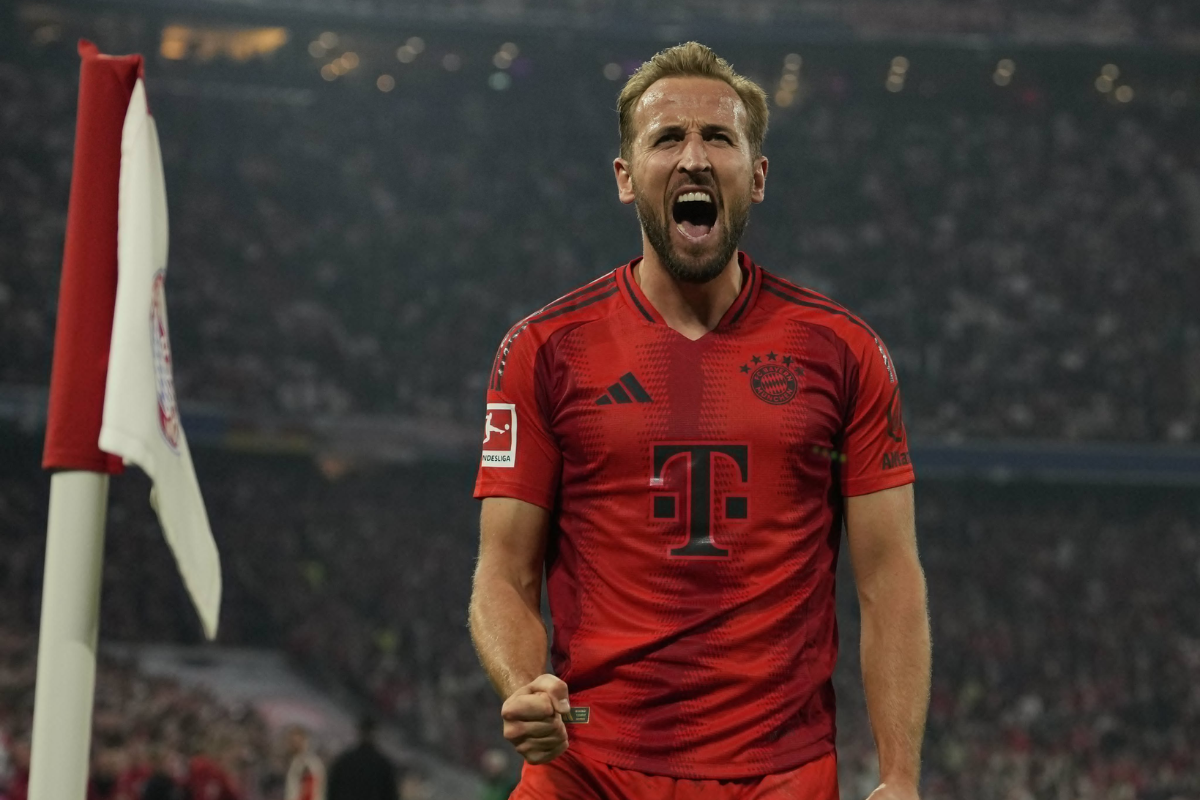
point(677, 444)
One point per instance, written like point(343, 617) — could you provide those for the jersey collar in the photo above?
point(636, 300)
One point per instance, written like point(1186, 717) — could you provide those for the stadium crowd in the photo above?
point(1148, 18)
point(1114, 20)
point(1066, 665)
point(1031, 262)
point(149, 734)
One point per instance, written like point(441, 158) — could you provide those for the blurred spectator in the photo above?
point(208, 778)
point(17, 784)
point(362, 772)
point(498, 780)
point(305, 773)
point(415, 786)
point(163, 782)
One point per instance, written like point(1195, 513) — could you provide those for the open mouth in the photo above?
point(695, 214)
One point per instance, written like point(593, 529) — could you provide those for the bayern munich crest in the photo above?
point(775, 379)
point(164, 380)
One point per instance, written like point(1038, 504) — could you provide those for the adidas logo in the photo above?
point(626, 390)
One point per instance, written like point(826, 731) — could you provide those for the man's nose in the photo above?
point(695, 155)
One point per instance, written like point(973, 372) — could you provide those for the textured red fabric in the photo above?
point(572, 776)
point(696, 491)
point(89, 279)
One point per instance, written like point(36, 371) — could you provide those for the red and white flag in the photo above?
point(125, 384)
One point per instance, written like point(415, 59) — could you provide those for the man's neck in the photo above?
point(692, 309)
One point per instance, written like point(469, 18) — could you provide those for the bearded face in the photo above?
point(692, 175)
point(697, 214)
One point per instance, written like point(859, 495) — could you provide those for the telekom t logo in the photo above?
point(698, 500)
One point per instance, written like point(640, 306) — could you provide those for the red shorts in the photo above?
point(575, 777)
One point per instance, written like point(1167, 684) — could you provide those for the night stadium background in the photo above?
point(364, 196)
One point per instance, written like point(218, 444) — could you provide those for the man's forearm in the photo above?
point(896, 658)
point(508, 632)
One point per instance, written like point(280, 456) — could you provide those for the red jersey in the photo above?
point(207, 780)
point(696, 491)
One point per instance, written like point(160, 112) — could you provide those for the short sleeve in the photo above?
point(875, 443)
point(520, 457)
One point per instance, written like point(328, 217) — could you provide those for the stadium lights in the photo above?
point(328, 40)
point(1111, 71)
point(405, 54)
point(897, 74)
point(500, 81)
point(344, 64)
point(385, 83)
point(451, 62)
point(416, 44)
point(613, 71)
point(505, 56)
point(46, 34)
point(316, 49)
point(789, 80)
point(1005, 70)
point(1124, 94)
point(205, 43)
point(174, 45)
point(1104, 84)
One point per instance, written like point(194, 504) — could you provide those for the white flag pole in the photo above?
point(66, 665)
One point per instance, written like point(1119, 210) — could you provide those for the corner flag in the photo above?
point(112, 390)
point(141, 418)
point(112, 397)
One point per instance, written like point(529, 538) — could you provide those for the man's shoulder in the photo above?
point(794, 302)
point(584, 303)
point(590, 302)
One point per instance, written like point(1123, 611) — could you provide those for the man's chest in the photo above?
point(624, 401)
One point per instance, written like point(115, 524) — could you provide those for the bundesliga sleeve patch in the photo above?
point(500, 435)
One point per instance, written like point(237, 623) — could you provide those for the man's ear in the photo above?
point(624, 180)
point(758, 190)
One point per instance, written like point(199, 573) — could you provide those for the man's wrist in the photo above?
point(900, 780)
point(518, 680)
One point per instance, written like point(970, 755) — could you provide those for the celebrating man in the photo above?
point(677, 445)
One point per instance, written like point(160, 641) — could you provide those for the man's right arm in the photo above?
point(506, 598)
point(506, 626)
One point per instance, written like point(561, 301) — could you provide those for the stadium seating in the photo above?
point(1028, 255)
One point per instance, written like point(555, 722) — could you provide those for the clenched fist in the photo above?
point(533, 719)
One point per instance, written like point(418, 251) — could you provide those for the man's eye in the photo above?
point(723, 137)
point(667, 137)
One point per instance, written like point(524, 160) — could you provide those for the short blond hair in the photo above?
point(687, 60)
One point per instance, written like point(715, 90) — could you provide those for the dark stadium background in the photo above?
point(365, 195)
